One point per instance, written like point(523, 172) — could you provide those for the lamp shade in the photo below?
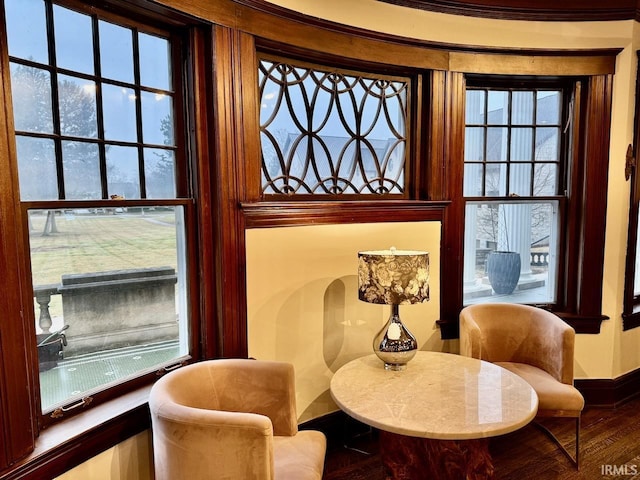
point(393, 277)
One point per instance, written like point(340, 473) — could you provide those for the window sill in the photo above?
point(77, 439)
point(632, 319)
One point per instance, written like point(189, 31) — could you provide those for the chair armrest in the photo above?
point(470, 336)
point(192, 442)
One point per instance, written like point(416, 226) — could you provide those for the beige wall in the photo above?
point(129, 460)
point(303, 306)
point(307, 316)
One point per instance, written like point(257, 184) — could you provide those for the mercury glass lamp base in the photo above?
point(394, 344)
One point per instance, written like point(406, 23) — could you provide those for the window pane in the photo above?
point(475, 107)
point(522, 108)
point(123, 174)
point(472, 180)
point(521, 144)
point(529, 231)
point(324, 132)
point(27, 30)
point(545, 180)
point(77, 98)
point(81, 170)
point(119, 111)
point(498, 113)
point(115, 280)
point(495, 182)
point(31, 91)
point(37, 169)
point(157, 119)
point(497, 146)
point(548, 108)
point(73, 39)
point(116, 52)
point(547, 141)
point(160, 173)
point(474, 144)
point(520, 179)
point(154, 62)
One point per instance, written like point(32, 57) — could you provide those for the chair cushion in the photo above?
point(554, 397)
point(300, 457)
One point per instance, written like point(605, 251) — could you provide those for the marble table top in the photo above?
point(439, 396)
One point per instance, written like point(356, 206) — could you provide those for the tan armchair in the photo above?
point(232, 419)
point(534, 344)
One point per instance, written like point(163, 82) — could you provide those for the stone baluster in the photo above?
point(43, 297)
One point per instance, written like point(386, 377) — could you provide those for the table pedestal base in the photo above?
point(424, 458)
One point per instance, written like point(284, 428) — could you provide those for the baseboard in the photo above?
point(339, 428)
point(609, 392)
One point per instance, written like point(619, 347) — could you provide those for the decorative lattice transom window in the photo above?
point(331, 132)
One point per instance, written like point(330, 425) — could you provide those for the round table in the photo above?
point(436, 415)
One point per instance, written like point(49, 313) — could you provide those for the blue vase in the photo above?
point(503, 270)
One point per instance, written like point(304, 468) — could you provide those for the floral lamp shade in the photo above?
point(393, 277)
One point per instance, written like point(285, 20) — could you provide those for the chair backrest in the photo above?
point(504, 332)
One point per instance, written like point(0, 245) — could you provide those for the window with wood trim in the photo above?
point(97, 110)
point(332, 132)
point(515, 159)
point(578, 291)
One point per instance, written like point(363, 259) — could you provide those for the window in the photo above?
point(96, 103)
point(514, 164)
point(331, 132)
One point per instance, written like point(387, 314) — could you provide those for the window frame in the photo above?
point(517, 84)
point(631, 301)
point(183, 199)
point(126, 400)
point(580, 301)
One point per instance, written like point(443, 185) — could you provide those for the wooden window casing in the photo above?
point(631, 302)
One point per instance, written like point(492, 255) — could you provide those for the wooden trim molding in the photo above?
point(540, 10)
point(550, 64)
point(272, 24)
point(77, 439)
point(610, 393)
point(265, 214)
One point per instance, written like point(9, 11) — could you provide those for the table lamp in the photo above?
point(394, 277)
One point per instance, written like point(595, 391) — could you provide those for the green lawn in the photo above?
point(87, 242)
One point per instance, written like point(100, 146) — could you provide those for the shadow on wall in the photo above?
point(341, 322)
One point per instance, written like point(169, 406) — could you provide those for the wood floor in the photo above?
point(610, 449)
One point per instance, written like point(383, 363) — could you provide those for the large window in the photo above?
point(96, 104)
point(514, 189)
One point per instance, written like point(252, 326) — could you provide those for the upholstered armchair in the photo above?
point(534, 344)
point(232, 419)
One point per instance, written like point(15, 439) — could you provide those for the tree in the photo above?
point(33, 113)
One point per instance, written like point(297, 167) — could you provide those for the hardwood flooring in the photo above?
point(610, 449)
